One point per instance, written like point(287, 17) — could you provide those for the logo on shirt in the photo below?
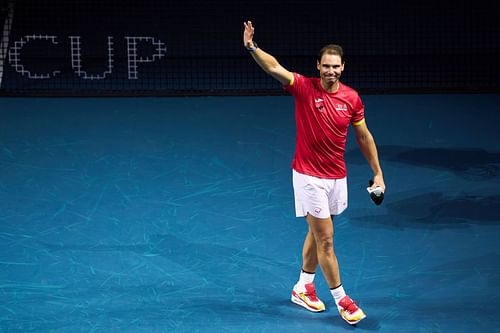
point(318, 103)
point(340, 106)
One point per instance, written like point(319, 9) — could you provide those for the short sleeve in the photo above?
point(295, 86)
point(358, 111)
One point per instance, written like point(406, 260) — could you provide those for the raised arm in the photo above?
point(266, 61)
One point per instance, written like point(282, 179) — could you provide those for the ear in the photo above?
point(318, 65)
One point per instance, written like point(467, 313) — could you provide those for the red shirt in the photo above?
point(322, 119)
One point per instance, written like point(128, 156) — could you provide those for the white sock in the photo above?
point(338, 293)
point(304, 279)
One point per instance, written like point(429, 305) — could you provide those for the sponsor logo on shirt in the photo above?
point(340, 106)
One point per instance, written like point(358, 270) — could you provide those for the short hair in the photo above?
point(331, 49)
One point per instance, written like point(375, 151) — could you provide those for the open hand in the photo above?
point(248, 34)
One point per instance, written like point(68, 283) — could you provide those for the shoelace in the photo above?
point(311, 293)
point(351, 307)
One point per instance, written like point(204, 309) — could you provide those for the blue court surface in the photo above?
point(176, 215)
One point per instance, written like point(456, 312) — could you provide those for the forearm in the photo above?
point(369, 150)
point(266, 61)
point(271, 66)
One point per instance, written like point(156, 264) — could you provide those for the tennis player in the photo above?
point(324, 109)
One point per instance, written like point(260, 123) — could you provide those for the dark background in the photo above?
point(391, 47)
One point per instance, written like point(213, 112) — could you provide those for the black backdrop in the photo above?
point(192, 47)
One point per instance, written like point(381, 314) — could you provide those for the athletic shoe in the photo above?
point(349, 311)
point(307, 298)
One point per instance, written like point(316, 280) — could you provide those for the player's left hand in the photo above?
point(376, 190)
point(378, 181)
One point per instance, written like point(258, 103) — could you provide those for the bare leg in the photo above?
point(321, 232)
point(304, 292)
point(309, 255)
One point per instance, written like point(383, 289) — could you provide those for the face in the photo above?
point(330, 69)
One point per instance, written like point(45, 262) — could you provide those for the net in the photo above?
point(191, 47)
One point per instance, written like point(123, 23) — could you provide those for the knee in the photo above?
point(324, 243)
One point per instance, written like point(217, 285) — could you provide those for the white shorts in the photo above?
point(319, 197)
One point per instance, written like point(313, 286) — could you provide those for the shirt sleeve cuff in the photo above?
point(359, 122)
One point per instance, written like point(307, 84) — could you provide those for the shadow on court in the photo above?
point(469, 163)
point(436, 211)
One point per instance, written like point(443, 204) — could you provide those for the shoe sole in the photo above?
point(353, 322)
point(300, 302)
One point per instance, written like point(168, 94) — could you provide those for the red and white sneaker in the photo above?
point(307, 298)
point(349, 311)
